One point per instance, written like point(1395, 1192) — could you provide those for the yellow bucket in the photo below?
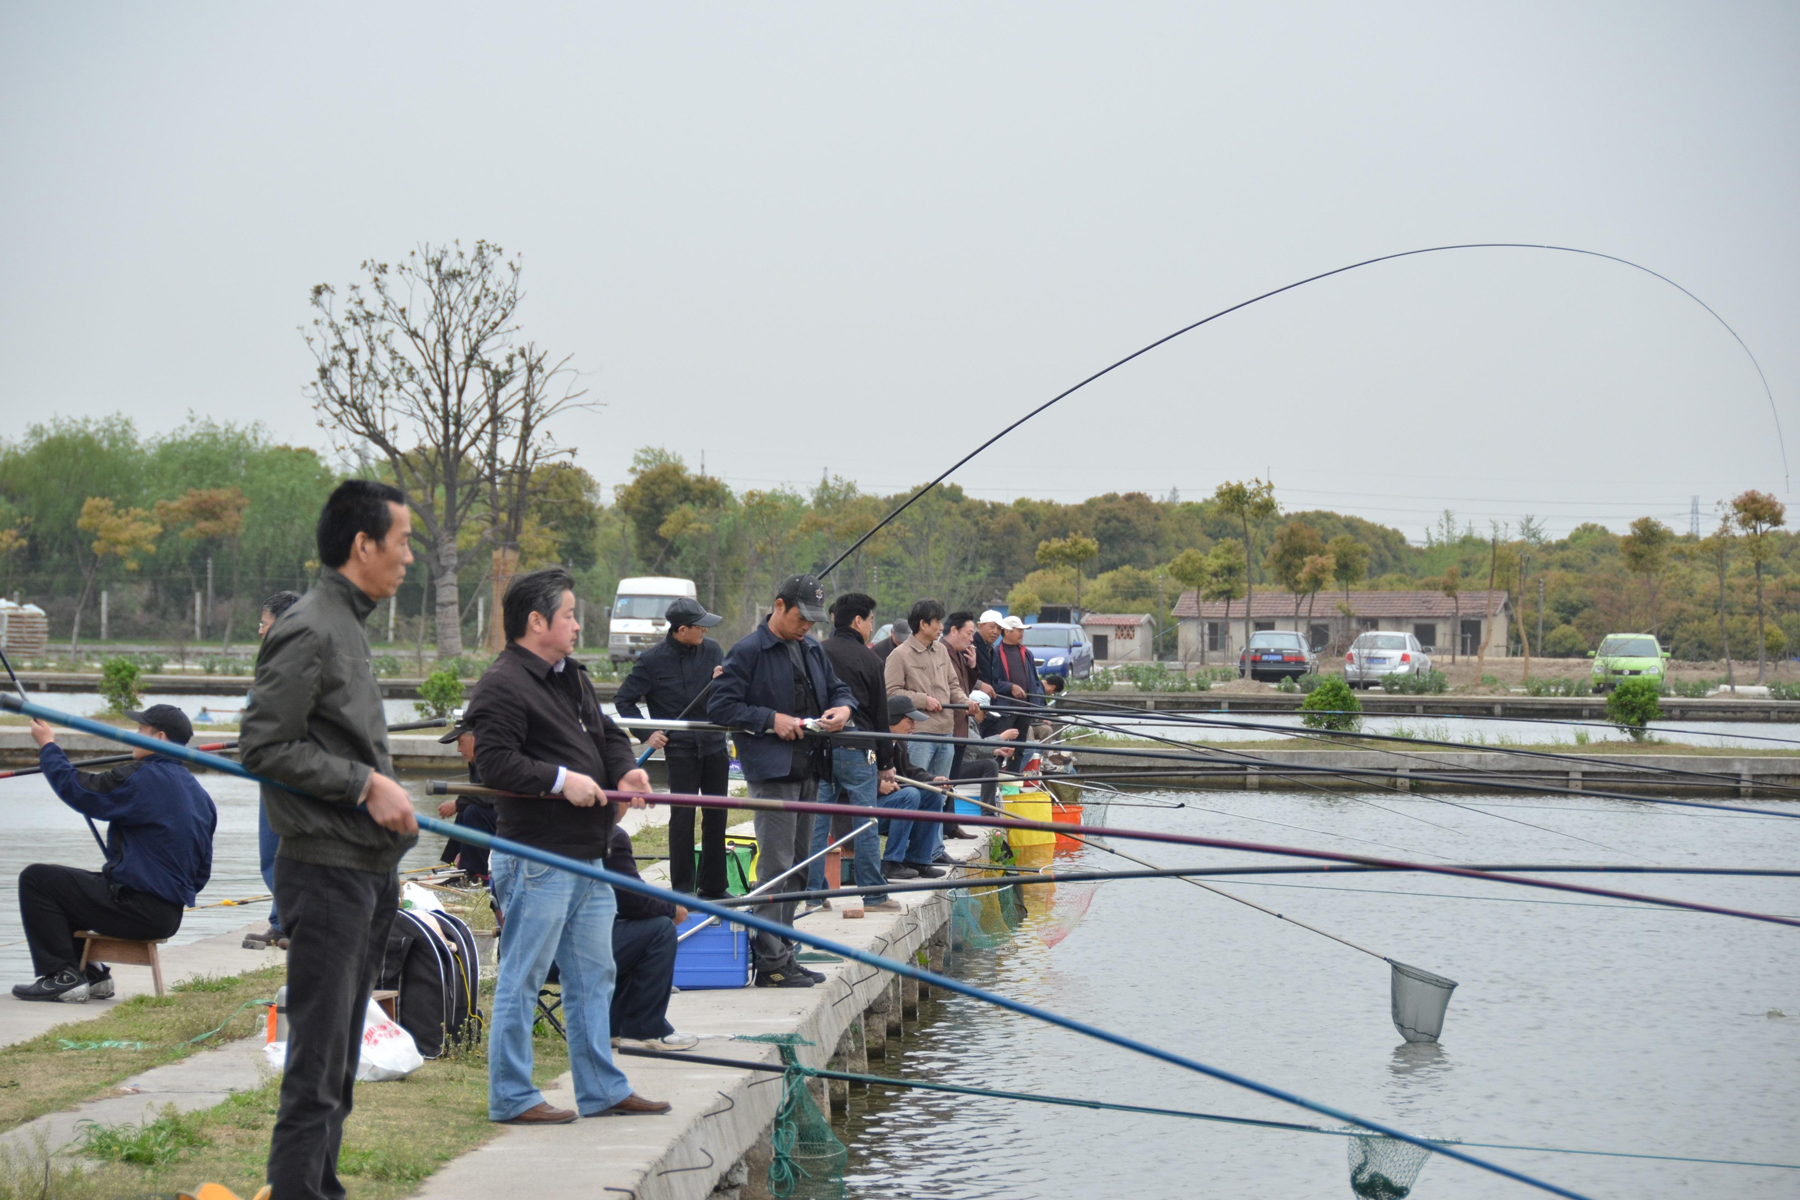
point(1030, 847)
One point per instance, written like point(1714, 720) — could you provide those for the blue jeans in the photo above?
point(913, 841)
point(852, 782)
point(552, 916)
point(932, 756)
point(267, 843)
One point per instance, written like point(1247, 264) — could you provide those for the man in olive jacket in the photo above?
point(314, 725)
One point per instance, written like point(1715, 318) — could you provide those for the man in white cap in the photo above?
point(1016, 674)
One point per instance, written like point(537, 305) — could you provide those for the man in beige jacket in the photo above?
point(921, 670)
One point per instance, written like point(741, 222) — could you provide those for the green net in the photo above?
point(1384, 1168)
point(983, 918)
point(807, 1159)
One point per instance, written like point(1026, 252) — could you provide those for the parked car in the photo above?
point(1628, 656)
point(1373, 656)
point(1276, 654)
point(1060, 649)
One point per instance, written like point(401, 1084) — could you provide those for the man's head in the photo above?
point(927, 620)
point(900, 713)
point(363, 532)
point(854, 610)
point(538, 612)
point(899, 631)
point(1012, 629)
point(689, 621)
point(959, 631)
point(463, 734)
point(164, 722)
point(798, 604)
point(272, 608)
point(1054, 684)
point(988, 623)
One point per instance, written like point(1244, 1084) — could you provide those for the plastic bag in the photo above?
point(388, 1051)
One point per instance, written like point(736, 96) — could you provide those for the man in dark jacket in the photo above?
point(670, 678)
point(159, 835)
point(314, 726)
point(541, 740)
point(776, 680)
point(267, 840)
point(475, 812)
point(1016, 676)
point(897, 634)
point(855, 768)
point(643, 943)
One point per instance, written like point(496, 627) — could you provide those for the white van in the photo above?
point(637, 614)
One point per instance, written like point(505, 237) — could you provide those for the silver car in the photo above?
point(1374, 656)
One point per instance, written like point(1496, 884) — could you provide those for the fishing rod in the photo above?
point(698, 696)
point(959, 463)
point(439, 787)
point(1614, 762)
point(1474, 778)
point(92, 828)
point(632, 883)
point(1027, 877)
point(110, 760)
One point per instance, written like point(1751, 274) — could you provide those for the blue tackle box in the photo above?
point(716, 957)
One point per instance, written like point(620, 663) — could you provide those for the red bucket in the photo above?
point(1066, 814)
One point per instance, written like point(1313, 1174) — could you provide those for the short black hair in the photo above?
point(279, 603)
point(958, 619)
point(357, 506)
point(538, 592)
point(849, 606)
point(1057, 682)
point(923, 611)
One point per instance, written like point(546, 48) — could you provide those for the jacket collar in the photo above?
point(537, 667)
point(359, 600)
point(849, 634)
point(917, 647)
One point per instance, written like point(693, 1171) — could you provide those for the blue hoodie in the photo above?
point(159, 838)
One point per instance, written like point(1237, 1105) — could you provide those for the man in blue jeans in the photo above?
point(854, 769)
point(911, 845)
point(267, 840)
point(541, 740)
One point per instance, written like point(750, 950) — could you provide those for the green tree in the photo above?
point(1646, 552)
point(1294, 543)
point(119, 684)
point(1227, 577)
point(214, 519)
point(1758, 514)
point(122, 533)
point(1068, 553)
point(1631, 705)
point(1349, 563)
point(1331, 705)
point(1315, 573)
point(1717, 551)
point(1251, 503)
point(1023, 602)
point(660, 484)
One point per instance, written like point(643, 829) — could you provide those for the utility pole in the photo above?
point(393, 603)
point(198, 636)
point(1694, 518)
point(1155, 647)
point(103, 633)
point(1540, 614)
point(209, 591)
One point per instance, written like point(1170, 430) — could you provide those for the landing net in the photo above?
point(807, 1159)
point(1384, 1168)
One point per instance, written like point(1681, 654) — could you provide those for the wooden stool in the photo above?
point(385, 997)
point(127, 951)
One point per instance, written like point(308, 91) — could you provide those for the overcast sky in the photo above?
point(861, 238)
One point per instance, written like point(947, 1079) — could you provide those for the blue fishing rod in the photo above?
point(1367, 262)
point(632, 883)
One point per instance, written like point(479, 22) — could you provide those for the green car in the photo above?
point(1627, 656)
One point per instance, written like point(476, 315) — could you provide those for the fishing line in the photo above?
point(911, 500)
point(632, 883)
point(92, 828)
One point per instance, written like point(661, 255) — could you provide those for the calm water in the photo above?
point(42, 829)
point(1578, 1023)
point(1477, 732)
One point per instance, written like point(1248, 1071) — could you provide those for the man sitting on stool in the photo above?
point(644, 953)
point(911, 845)
point(158, 857)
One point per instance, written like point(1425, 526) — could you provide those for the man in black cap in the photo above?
point(775, 682)
point(671, 678)
point(160, 824)
point(476, 812)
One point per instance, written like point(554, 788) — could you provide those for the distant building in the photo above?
point(1208, 633)
point(23, 628)
point(1121, 637)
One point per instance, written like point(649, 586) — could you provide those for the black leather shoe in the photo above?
point(925, 870)
point(894, 870)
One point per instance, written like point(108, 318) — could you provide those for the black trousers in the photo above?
point(706, 775)
point(644, 954)
point(55, 902)
point(337, 921)
point(984, 771)
point(474, 858)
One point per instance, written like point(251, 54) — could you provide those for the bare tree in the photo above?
point(404, 368)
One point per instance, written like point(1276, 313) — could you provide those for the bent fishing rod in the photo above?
point(632, 883)
point(1781, 441)
point(438, 787)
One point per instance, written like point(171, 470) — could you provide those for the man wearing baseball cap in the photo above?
point(670, 679)
point(160, 824)
point(775, 681)
point(475, 812)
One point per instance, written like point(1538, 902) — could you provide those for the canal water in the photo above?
point(1580, 1022)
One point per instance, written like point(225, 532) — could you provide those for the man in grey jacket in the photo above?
point(315, 726)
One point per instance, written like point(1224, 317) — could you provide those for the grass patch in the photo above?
point(40, 1076)
point(153, 1143)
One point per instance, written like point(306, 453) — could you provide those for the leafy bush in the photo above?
point(464, 666)
point(1490, 681)
point(1631, 705)
point(440, 694)
point(1690, 689)
point(1432, 683)
point(1148, 677)
point(1287, 685)
point(1565, 641)
point(1309, 682)
point(1578, 686)
point(1332, 705)
point(119, 684)
point(151, 662)
point(223, 664)
point(1784, 691)
point(386, 665)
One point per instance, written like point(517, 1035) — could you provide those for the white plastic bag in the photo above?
point(388, 1051)
point(417, 898)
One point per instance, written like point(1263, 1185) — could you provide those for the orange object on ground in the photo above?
point(1066, 814)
